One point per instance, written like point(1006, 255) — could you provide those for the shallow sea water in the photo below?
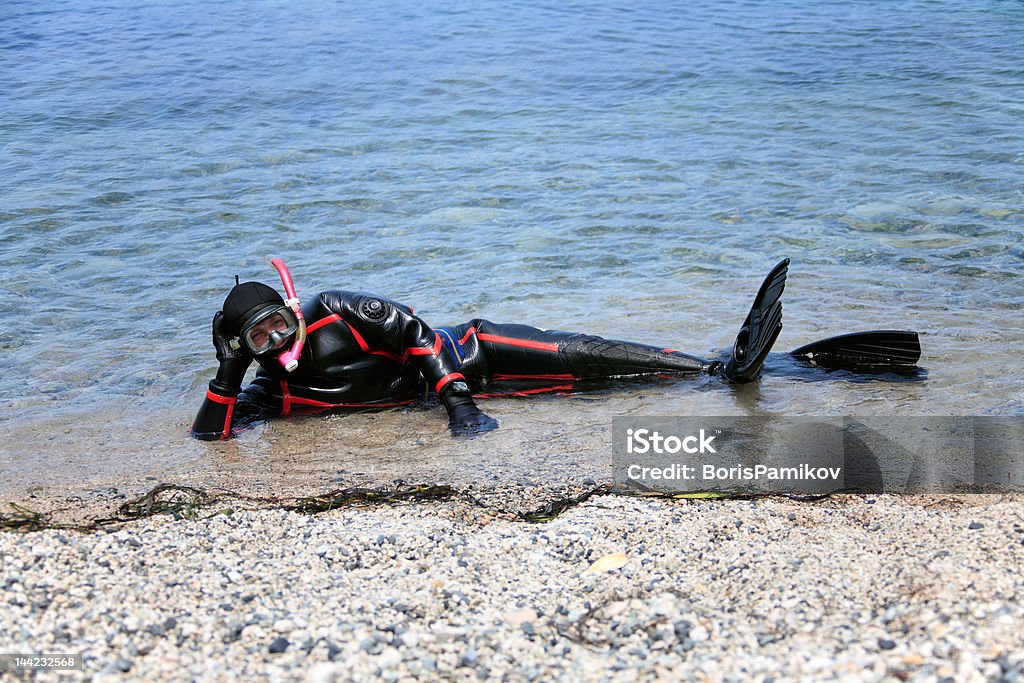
point(625, 171)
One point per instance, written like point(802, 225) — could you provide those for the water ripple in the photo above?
point(557, 160)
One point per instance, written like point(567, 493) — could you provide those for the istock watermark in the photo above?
point(812, 455)
point(647, 441)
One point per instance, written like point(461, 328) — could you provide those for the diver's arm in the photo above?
point(393, 327)
point(213, 421)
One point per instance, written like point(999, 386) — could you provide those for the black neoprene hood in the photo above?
point(246, 300)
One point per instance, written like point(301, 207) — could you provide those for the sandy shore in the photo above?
point(855, 587)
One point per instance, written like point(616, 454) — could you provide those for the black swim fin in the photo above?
point(878, 348)
point(760, 329)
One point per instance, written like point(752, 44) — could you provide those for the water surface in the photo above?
point(626, 171)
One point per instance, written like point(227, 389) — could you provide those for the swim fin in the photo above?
point(760, 329)
point(877, 348)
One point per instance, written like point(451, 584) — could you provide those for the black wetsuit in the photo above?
point(364, 351)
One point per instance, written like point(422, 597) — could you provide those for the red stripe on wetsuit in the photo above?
point(523, 343)
point(365, 347)
point(287, 400)
point(512, 341)
point(228, 401)
point(322, 322)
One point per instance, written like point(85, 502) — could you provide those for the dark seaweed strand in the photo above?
point(186, 502)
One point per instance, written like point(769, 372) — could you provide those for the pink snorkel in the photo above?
point(290, 358)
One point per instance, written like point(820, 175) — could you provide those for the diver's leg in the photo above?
point(508, 351)
point(502, 351)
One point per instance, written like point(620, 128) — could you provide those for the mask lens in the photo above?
point(269, 331)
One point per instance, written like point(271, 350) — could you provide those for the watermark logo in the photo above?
point(811, 455)
point(644, 441)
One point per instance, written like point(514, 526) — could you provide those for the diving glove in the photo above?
point(464, 418)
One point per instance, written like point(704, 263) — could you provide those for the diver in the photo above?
point(352, 351)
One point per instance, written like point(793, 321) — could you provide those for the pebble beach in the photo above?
point(618, 588)
point(630, 170)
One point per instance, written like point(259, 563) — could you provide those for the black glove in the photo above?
point(233, 361)
point(464, 418)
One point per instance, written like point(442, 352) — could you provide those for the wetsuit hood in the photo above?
point(245, 301)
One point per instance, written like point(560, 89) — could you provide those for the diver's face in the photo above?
point(259, 334)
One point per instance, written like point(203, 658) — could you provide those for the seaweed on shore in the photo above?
point(187, 502)
point(356, 494)
point(23, 519)
point(551, 510)
point(183, 502)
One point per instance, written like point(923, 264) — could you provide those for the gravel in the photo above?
point(886, 588)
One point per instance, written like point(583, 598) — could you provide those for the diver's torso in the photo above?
point(339, 367)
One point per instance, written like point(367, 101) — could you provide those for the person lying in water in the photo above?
point(349, 350)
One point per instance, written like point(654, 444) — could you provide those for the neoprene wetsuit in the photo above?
point(363, 351)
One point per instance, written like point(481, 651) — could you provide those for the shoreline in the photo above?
point(862, 587)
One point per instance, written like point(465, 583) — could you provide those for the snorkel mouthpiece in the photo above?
point(290, 359)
